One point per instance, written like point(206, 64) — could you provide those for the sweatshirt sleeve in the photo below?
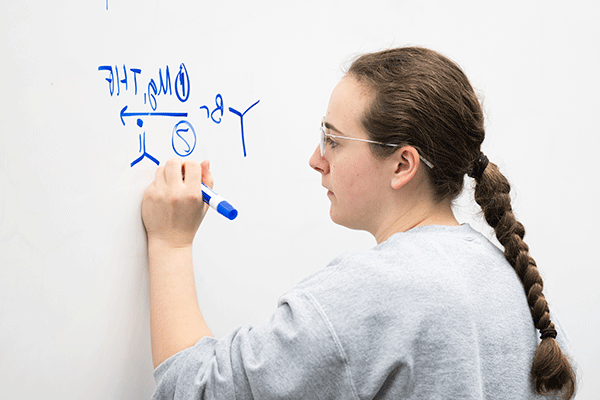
point(295, 354)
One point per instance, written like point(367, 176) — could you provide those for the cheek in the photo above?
point(352, 180)
point(343, 175)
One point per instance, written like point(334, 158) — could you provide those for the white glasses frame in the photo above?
point(325, 134)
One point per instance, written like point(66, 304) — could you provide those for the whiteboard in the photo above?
point(95, 93)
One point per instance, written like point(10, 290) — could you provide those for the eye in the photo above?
point(329, 141)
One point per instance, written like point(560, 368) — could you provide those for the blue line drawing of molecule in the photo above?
point(145, 154)
point(183, 134)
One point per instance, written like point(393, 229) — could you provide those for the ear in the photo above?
point(405, 163)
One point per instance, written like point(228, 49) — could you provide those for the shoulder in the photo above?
point(408, 259)
point(422, 299)
point(427, 276)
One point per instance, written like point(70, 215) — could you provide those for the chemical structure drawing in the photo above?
point(122, 80)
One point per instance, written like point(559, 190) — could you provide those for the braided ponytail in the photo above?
point(550, 370)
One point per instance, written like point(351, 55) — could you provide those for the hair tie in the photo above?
point(479, 165)
point(548, 332)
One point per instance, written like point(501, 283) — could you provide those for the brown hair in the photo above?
point(423, 99)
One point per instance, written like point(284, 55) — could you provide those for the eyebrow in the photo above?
point(333, 128)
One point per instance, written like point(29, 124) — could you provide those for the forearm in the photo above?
point(176, 322)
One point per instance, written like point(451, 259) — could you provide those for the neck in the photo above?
point(419, 214)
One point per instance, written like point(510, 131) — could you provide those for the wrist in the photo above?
point(156, 242)
point(168, 257)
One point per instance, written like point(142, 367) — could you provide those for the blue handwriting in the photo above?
point(122, 80)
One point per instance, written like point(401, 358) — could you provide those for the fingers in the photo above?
point(193, 172)
point(159, 176)
point(173, 171)
point(172, 209)
point(207, 177)
point(196, 173)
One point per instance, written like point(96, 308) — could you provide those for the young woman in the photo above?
point(433, 311)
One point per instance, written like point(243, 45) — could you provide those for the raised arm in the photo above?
point(172, 210)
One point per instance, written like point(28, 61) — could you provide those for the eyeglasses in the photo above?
point(324, 135)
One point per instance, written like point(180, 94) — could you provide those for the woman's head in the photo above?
point(422, 99)
point(367, 191)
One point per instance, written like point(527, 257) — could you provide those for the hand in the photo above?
point(172, 208)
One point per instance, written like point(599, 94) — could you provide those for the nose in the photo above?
point(318, 162)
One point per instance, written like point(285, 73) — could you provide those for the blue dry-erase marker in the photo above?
point(218, 203)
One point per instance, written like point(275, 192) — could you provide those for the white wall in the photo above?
point(74, 318)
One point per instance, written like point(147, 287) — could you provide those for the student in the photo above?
point(434, 311)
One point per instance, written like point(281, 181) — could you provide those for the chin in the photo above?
point(335, 218)
point(344, 220)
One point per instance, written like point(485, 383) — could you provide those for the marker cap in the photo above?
point(227, 210)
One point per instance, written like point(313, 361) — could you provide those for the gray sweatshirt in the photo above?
point(432, 313)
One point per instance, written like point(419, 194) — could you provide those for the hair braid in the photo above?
point(550, 369)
